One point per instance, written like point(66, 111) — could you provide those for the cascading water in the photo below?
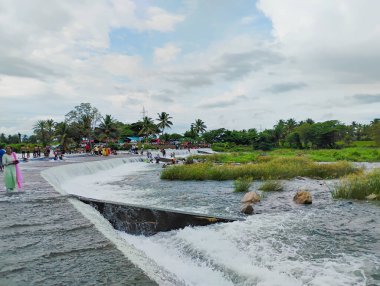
point(327, 243)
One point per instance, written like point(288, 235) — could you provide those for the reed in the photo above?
point(271, 186)
point(358, 186)
point(277, 168)
point(242, 184)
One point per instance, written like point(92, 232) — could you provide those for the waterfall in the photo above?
point(56, 176)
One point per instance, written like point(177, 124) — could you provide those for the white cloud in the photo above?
point(339, 37)
point(166, 54)
point(122, 65)
point(160, 20)
point(11, 87)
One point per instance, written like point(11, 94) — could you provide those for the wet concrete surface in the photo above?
point(44, 240)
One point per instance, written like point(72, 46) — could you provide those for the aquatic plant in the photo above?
point(358, 186)
point(242, 184)
point(277, 168)
point(271, 186)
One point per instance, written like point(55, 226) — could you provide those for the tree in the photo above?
point(199, 126)
point(40, 129)
point(375, 132)
point(63, 132)
point(148, 127)
point(85, 117)
point(265, 140)
point(50, 124)
point(108, 128)
point(164, 121)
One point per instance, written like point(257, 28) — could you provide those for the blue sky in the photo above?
point(200, 29)
point(234, 64)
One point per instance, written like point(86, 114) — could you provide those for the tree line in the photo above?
point(85, 123)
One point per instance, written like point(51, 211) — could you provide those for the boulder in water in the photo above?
point(251, 197)
point(303, 197)
point(247, 209)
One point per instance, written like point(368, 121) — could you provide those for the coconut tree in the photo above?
point(108, 127)
point(164, 121)
point(50, 125)
point(199, 126)
point(40, 129)
point(148, 127)
point(63, 134)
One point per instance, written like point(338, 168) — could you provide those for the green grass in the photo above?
point(354, 154)
point(277, 168)
point(271, 186)
point(358, 186)
point(242, 184)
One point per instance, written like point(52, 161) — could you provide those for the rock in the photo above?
point(371, 197)
point(247, 209)
point(250, 197)
point(303, 197)
point(300, 178)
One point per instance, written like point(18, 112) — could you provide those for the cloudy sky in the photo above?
point(233, 63)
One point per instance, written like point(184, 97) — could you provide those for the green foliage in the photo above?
point(271, 186)
point(175, 136)
point(375, 132)
point(358, 186)
point(322, 155)
point(198, 126)
point(230, 137)
point(265, 141)
point(148, 127)
point(230, 147)
point(278, 168)
point(242, 184)
point(164, 121)
point(363, 144)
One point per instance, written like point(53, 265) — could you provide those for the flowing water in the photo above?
point(327, 243)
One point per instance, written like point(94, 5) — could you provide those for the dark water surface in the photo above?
point(44, 240)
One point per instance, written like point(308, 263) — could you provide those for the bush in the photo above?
point(358, 186)
point(271, 186)
point(242, 184)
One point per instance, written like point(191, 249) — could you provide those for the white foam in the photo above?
point(264, 250)
point(253, 252)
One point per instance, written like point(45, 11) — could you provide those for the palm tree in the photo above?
point(62, 132)
point(199, 126)
point(108, 127)
point(163, 121)
point(40, 129)
point(50, 124)
point(148, 127)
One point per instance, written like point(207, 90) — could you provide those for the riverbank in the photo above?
point(46, 241)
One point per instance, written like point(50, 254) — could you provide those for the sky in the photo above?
point(234, 64)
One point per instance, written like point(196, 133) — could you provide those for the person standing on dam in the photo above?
point(9, 162)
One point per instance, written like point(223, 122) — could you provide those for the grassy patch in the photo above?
point(271, 186)
point(277, 168)
point(358, 186)
point(354, 154)
point(242, 184)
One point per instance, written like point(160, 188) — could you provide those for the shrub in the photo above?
point(271, 186)
point(242, 184)
point(358, 186)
